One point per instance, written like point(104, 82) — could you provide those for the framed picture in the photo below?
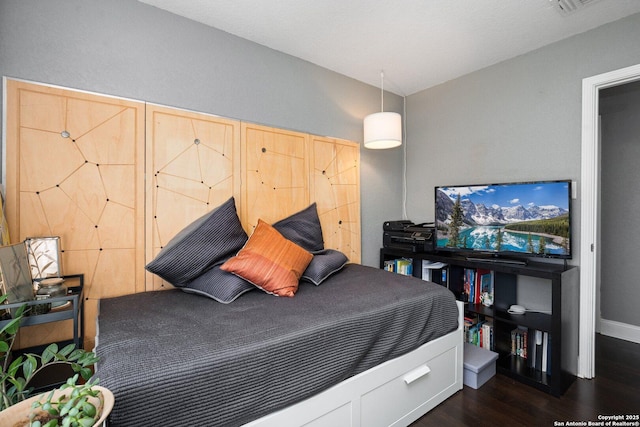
point(44, 257)
point(15, 274)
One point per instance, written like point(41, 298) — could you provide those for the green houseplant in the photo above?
point(68, 405)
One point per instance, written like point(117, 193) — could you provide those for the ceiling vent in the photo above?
point(568, 7)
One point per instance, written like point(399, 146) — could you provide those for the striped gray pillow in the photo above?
point(303, 228)
point(219, 285)
point(210, 240)
point(323, 265)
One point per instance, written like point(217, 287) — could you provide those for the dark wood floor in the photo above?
point(503, 402)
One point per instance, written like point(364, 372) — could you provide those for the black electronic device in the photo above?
point(412, 237)
point(398, 225)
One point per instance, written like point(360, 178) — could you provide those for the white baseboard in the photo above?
point(620, 330)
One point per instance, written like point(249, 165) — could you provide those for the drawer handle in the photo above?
point(416, 374)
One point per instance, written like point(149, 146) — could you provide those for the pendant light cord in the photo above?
point(381, 91)
point(404, 158)
point(404, 148)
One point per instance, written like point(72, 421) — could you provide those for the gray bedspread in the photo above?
point(178, 359)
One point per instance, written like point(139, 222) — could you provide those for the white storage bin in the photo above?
point(479, 365)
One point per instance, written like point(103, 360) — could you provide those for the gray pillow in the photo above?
point(303, 228)
point(219, 285)
point(324, 264)
point(208, 241)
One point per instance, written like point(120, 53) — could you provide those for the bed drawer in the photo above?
point(409, 391)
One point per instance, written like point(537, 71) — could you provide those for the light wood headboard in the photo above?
point(116, 179)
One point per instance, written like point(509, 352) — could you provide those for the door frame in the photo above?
point(589, 209)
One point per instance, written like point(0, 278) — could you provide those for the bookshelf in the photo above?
point(517, 284)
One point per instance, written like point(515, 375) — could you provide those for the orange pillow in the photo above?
point(270, 261)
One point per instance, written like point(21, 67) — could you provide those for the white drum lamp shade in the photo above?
point(382, 130)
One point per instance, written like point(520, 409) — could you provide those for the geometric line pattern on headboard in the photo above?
point(336, 190)
point(191, 162)
point(73, 171)
point(275, 174)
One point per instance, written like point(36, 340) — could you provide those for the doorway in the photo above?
point(619, 238)
point(589, 224)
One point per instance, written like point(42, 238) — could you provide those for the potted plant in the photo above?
point(72, 404)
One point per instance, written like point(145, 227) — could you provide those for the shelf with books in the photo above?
point(400, 266)
point(506, 285)
point(478, 330)
point(530, 357)
point(478, 286)
point(419, 267)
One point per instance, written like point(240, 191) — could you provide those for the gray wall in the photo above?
point(620, 203)
point(516, 120)
point(129, 49)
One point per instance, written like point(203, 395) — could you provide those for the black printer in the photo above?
point(406, 236)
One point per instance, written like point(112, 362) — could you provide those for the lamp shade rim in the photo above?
point(383, 130)
point(382, 144)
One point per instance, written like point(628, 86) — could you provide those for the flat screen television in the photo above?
point(523, 219)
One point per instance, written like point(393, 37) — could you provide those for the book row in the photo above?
point(431, 271)
point(478, 286)
point(534, 346)
point(400, 266)
point(479, 332)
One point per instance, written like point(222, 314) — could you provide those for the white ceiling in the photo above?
point(417, 43)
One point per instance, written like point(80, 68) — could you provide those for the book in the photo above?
point(531, 361)
point(475, 334)
point(486, 295)
point(519, 342)
point(469, 285)
point(390, 266)
point(482, 280)
point(404, 266)
point(538, 350)
point(487, 335)
point(545, 351)
point(548, 354)
point(468, 323)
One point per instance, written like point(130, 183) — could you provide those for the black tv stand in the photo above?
point(497, 260)
point(526, 283)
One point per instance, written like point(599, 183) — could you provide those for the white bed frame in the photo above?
point(395, 393)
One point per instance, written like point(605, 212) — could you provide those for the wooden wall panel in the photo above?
point(335, 181)
point(74, 169)
point(116, 187)
point(275, 174)
point(192, 163)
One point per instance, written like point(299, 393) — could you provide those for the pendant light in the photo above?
point(382, 130)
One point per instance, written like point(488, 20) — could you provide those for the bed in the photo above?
point(174, 358)
point(274, 330)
